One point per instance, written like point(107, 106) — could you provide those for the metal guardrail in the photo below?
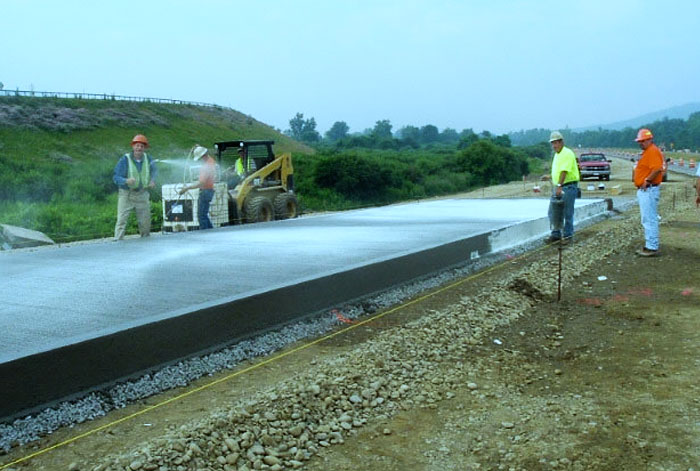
point(103, 96)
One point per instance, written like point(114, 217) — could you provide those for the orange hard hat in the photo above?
point(643, 135)
point(140, 138)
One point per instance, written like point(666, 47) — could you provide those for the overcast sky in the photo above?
point(494, 65)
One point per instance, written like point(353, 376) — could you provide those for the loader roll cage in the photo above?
point(260, 152)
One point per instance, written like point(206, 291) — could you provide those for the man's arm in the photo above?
point(560, 182)
point(120, 172)
point(153, 170)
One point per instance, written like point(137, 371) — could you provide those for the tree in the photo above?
point(382, 129)
point(338, 131)
point(309, 133)
point(429, 133)
point(303, 130)
point(502, 140)
point(296, 126)
point(449, 135)
point(466, 138)
point(409, 133)
point(492, 164)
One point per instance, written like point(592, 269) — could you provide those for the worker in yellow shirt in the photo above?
point(565, 177)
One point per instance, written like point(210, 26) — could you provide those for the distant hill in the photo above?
point(676, 112)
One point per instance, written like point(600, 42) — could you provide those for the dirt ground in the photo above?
point(608, 378)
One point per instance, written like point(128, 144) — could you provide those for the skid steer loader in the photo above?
point(254, 185)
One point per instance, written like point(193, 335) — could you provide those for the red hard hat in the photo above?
point(643, 135)
point(140, 138)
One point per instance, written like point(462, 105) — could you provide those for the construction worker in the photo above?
point(207, 176)
point(134, 174)
point(244, 166)
point(240, 169)
point(647, 178)
point(565, 177)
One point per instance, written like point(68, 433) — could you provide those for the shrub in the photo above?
point(353, 176)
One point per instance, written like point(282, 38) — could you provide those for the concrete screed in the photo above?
point(74, 318)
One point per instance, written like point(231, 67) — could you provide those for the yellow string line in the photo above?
point(262, 363)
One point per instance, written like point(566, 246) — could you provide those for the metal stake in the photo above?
point(559, 280)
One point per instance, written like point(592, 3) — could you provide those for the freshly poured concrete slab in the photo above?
point(97, 312)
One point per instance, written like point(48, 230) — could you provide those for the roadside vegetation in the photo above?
point(57, 156)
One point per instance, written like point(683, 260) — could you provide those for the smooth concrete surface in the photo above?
point(76, 317)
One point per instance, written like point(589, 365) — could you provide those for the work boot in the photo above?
point(645, 252)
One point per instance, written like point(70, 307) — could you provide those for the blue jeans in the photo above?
point(648, 208)
point(569, 193)
point(205, 197)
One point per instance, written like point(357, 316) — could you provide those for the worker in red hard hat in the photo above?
point(134, 174)
point(647, 178)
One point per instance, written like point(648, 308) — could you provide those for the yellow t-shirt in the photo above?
point(565, 161)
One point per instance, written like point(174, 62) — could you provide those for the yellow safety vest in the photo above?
point(142, 178)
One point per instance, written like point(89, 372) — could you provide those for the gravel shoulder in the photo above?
point(488, 373)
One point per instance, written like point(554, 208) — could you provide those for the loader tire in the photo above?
point(258, 209)
point(286, 206)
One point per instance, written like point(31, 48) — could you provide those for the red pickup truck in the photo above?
point(594, 165)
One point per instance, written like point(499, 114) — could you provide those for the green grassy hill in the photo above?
point(53, 128)
point(57, 155)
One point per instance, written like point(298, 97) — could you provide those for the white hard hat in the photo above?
point(198, 152)
point(555, 136)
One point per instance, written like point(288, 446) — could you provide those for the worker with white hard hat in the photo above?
point(134, 174)
point(205, 184)
point(565, 177)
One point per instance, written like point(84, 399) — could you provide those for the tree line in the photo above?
point(672, 134)
point(381, 135)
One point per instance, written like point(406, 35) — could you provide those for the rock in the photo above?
point(232, 444)
point(472, 386)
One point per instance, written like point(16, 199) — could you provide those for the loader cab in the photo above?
point(255, 154)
